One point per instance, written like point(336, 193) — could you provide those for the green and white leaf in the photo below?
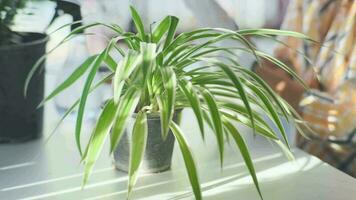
point(97, 139)
point(126, 108)
point(188, 160)
point(167, 99)
point(138, 146)
point(244, 152)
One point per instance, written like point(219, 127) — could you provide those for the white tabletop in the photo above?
point(55, 173)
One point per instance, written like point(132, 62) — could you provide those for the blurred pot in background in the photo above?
point(22, 44)
point(19, 118)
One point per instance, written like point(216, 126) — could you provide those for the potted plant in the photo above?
point(161, 74)
point(18, 53)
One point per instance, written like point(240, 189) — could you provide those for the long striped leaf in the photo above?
point(138, 146)
point(284, 67)
point(71, 79)
point(181, 39)
point(216, 119)
point(272, 112)
point(161, 29)
point(111, 63)
point(97, 140)
point(193, 98)
point(171, 31)
point(138, 23)
point(74, 105)
point(285, 149)
point(83, 99)
point(167, 99)
point(148, 52)
point(294, 34)
point(201, 46)
point(124, 69)
point(31, 73)
point(188, 160)
point(260, 126)
point(236, 81)
point(71, 35)
point(268, 89)
point(126, 108)
point(244, 152)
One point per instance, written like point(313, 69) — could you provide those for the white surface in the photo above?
point(56, 173)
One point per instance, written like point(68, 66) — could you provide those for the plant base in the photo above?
point(158, 153)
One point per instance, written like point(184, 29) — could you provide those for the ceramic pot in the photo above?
point(158, 152)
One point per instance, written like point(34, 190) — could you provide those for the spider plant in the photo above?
point(161, 73)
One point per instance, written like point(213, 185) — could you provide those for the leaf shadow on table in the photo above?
point(289, 179)
point(167, 185)
point(178, 188)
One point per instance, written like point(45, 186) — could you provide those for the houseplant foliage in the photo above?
point(159, 75)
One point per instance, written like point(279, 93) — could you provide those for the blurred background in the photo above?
point(48, 16)
point(328, 67)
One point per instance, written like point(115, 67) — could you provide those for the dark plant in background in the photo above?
point(8, 11)
point(19, 50)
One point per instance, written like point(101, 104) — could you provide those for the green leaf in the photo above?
point(268, 89)
point(262, 31)
point(83, 99)
point(272, 112)
point(244, 152)
point(138, 23)
point(124, 69)
point(97, 140)
point(216, 119)
point(148, 66)
point(161, 29)
point(188, 160)
point(193, 98)
point(217, 34)
point(167, 99)
point(33, 70)
point(260, 126)
point(171, 32)
point(111, 63)
point(236, 81)
point(126, 108)
point(148, 51)
point(177, 51)
point(201, 46)
point(207, 119)
point(71, 79)
point(138, 146)
point(65, 25)
point(119, 77)
point(74, 105)
point(285, 149)
point(299, 121)
point(182, 39)
point(284, 67)
point(71, 35)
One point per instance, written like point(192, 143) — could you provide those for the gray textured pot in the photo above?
point(158, 153)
